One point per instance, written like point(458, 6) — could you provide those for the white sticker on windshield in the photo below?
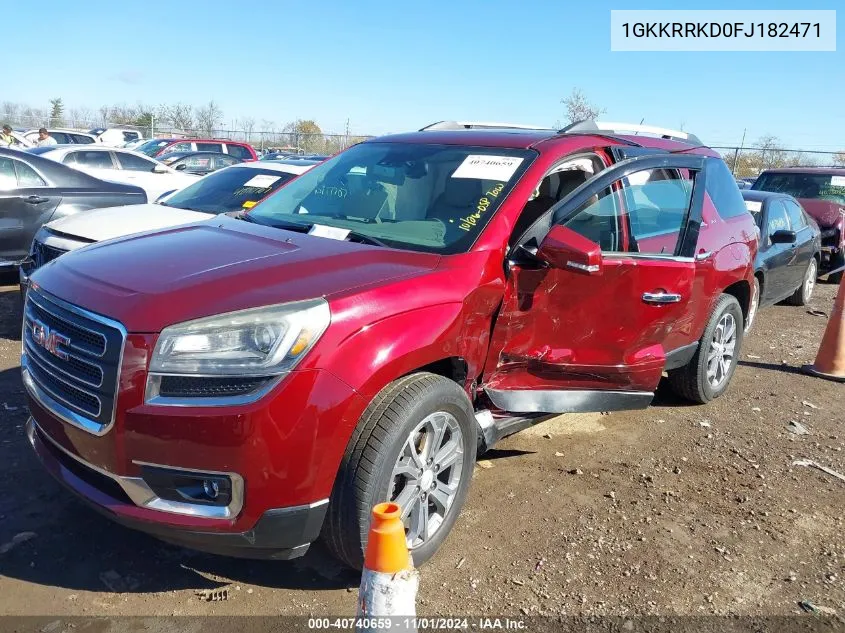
point(837, 181)
point(753, 206)
point(484, 167)
point(262, 181)
point(331, 232)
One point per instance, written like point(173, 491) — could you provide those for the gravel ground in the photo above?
point(674, 510)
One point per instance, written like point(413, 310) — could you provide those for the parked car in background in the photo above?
point(364, 331)
point(200, 163)
point(288, 156)
point(119, 165)
point(160, 146)
point(229, 190)
point(821, 191)
point(115, 137)
point(787, 261)
point(35, 190)
point(742, 184)
point(133, 144)
point(62, 137)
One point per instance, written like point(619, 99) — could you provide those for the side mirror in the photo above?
point(783, 237)
point(565, 249)
point(160, 169)
point(181, 167)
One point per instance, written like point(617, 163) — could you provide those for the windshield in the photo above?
point(432, 198)
point(151, 147)
point(230, 189)
point(814, 186)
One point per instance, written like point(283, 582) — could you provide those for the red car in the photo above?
point(160, 146)
point(245, 385)
point(821, 191)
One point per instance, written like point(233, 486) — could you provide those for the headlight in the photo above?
point(258, 342)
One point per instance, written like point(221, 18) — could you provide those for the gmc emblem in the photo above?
point(49, 339)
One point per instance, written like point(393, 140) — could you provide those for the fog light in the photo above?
point(211, 488)
point(206, 489)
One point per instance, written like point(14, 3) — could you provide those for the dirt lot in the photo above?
point(673, 510)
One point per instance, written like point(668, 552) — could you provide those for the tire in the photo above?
point(753, 305)
point(836, 262)
point(366, 475)
point(802, 296)
point(692, 381)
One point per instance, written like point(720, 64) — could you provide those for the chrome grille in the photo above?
point(43, 254)
point(71, 360)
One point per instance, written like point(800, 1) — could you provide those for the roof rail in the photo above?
point(479, 125)
point(589, 125)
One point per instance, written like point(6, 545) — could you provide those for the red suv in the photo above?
point(160, 146)
point(245, 385)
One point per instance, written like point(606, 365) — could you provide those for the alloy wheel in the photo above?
point(427, 475)
point(720, 356)
point(810, 280)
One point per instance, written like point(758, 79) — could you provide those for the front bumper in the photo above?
point(280, 533)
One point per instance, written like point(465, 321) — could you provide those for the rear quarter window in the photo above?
point(723, 191)
point(238, 151)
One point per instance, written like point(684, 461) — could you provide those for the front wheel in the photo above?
point(414, 445)
point(709, 372)
point(802, 296)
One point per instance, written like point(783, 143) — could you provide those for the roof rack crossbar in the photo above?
point(479, 125)
point(589, 125)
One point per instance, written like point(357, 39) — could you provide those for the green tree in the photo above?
point(305, 135)
point(57, 111)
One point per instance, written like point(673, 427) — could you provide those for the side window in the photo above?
point(130, 136)
point(79, 139)
point(210, 147)
point(224, 160)
point(61, 138)
point(27, 176)
point(179, 147)
point(134, 163)
point(8, 180)
point(93, 160)
point(723, 192)
point(796, 215)
point(238, 151)
point(778, 218)
point(645, 212)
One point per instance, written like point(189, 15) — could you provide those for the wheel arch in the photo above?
point(741, 291)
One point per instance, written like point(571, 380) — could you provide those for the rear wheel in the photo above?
point(836, 262)
point(802, 296)
point(414, 445)
point(709, 372)
point(753, 305)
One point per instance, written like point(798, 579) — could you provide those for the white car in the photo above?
point(119, 165)
point(229, 190)
point(115, 136)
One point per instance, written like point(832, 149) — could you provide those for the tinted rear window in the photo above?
point(814, 186)
point(723, 192)
point(238, 151)
point(228, 190)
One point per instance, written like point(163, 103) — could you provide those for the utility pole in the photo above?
point(737, 151)
point(153, 125)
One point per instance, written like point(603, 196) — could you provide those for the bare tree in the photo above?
point(208, 117)
point(179, 115)
point(770, 152)
point(248, 125)
point(104, 115)
point(11, 112)
point(579, 108)
point(839, 158)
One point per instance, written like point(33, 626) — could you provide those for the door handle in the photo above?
point(661, 297)
point(704, 255)
point(34, 199)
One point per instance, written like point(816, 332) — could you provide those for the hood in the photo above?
point(111, 222)
point(825, 212)
point(153, 280)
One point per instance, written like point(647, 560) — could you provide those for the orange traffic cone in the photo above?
point(389, 582)
point(830, 361)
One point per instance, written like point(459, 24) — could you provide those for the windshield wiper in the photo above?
point(367, 239)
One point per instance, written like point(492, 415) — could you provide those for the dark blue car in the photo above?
point(787, 261)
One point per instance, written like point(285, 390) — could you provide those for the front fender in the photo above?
point(377, 354)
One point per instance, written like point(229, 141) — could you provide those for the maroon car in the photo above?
point(821, 191)
point(246, 384)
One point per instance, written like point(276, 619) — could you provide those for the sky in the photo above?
point(396, 66)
